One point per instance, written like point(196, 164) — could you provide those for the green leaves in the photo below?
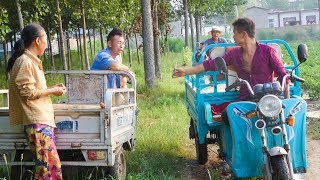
point(4, 23)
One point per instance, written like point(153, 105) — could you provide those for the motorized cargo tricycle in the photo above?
point(265, 136)
point(95, 124)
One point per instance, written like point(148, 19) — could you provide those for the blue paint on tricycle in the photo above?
point(251, 145)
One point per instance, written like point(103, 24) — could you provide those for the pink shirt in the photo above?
point(265, 61)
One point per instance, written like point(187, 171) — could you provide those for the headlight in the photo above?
point(270, 105)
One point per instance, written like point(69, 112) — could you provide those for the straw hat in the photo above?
point(214, 29)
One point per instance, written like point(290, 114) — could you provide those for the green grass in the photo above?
point(162, 126)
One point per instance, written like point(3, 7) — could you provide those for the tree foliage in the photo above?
point(4, 20)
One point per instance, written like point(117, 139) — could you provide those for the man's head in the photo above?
point(243, 28)
point(215, 33)
point(115, 41)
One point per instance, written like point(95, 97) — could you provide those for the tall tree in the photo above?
point(61, 36)
point(148, 49)
point(192, 30)
point(186, 24)
point(84, 35)
point(209, 8)
point(156, 39)
point(19, 14)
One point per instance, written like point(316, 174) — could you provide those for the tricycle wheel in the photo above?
point(119, 170)
point(280, 167)
point(192, 133)
point(202, 151)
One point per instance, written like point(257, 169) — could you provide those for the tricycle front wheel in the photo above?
point(202, 151)
point(280, 167)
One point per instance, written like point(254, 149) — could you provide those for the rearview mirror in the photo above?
point(302, 53)
point(221, 64)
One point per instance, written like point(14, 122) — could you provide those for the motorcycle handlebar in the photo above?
point(296, 78)
point(238, 82)
point(233, 85)
point(242, 81)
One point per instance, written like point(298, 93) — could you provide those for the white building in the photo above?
point(266, 18)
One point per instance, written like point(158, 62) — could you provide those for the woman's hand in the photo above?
point(59, 89)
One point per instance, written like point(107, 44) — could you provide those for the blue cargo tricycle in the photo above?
point(264, 137)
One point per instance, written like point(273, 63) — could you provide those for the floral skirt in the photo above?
point(41, 139)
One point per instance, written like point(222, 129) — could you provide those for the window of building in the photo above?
point(311, 19)
point(290, 21)
point(271, 23)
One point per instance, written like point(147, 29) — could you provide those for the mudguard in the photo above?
point(243, 149)
point(275, 151)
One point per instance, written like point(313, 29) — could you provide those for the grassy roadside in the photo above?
point(162, 126)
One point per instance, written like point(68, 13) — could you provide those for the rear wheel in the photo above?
point(202, 151)
point(280, 168)
point(119, 170)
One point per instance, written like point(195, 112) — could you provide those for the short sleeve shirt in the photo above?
point(102, 61)
point(210, 41)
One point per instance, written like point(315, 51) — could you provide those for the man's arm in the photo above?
point(117, 66)
point(178, 72)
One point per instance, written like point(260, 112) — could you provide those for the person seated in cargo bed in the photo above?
point(109, 59)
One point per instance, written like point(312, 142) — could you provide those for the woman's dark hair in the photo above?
point(28, 35)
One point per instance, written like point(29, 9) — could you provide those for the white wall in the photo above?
point(275, 20)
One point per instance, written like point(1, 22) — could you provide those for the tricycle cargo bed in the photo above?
point(91, 117)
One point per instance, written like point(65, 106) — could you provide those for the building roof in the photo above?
point(290, 11)
point(257, 7)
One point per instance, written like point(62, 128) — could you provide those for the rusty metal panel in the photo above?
point(85, 89)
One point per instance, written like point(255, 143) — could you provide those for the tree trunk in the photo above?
point(94, 40)
point(129, 51)
point(80, 48)
point(138, 54)
point(53, 66)
point(63, 56)
point(200, 25)
point(59, 47)
point(84, 36)
point(186, 24)
point(90, 43)
point(69, 52)
point(20, 19)
point(156, 40)
point(101, 37)
point(148, 49)
point(197, 23)
point(192, 31)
